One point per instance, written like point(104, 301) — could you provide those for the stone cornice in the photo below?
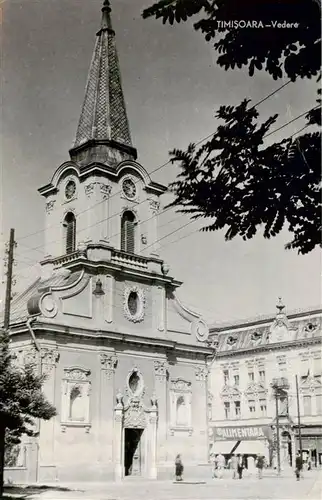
point(271, 347)
point(127, 338)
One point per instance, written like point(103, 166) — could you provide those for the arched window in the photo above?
point(181, 411)
point(76, 410)
point(70, 232)
point(128, 232)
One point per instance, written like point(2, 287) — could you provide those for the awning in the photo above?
point(251, 448)
point(223, 447)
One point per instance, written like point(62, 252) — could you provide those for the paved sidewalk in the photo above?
point(251, 488)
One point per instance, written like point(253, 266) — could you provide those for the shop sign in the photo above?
point(241, 433)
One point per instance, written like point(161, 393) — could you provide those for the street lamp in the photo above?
point(279, 386)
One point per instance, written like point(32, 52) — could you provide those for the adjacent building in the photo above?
point(254, 358)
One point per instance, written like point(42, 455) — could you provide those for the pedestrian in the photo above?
point(179, 468)
point(213, 461)
point(298, 465)
point(260, 466)
point(240, 466)
point(233, 465)
point(221, 462)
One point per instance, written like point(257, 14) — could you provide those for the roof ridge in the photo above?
point(264, 318)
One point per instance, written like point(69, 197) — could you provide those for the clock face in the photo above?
point(129, 188)
point(70, 189)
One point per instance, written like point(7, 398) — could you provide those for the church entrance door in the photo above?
point(132, 452)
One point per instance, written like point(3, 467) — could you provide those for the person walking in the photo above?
point(260, 466)
point(178, 468)
point(240, 466)
point(233, 465)
point(221, 462)
point(298, 466)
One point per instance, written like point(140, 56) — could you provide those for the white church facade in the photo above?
point(126, 362)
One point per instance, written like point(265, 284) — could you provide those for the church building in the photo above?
point(126, 362)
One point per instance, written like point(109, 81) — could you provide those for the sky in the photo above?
point(172, 89)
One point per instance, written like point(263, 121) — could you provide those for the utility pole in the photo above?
point(277, 434)
point(298, 414)
point(279, 386)
point(9, 281)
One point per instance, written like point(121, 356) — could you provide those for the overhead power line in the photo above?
point(155, 170)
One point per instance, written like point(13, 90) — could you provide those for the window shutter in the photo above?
point(130, 236)
point(128, 232)
point(70, 228)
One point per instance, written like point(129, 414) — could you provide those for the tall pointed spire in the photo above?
point(103, 120)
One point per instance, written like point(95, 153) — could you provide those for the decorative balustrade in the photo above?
point(64, 259)
point(129, 260)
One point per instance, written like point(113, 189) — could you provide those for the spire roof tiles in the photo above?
point(103, 116)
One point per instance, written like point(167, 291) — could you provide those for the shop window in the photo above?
point(307, 405)
point(236, 379)
point(227, 409)
point(128, 232)
point(263, 407)
point(251, 406)
point(70, 232)
point(226, 377)
point(237, 409)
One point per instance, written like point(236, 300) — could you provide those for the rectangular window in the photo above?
point(226, 377)
point(251, 376)
point(304, 368)
point(319, 404)
point(263, 407)
point(237, 408)
point(307, 405)
point(317, 366)
point(236, 379)
point(251, 406)
point(262, 375)
point(227, 409)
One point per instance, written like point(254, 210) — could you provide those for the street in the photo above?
point(248, 488)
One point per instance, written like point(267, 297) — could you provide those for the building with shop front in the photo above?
point(125, 360)
point(251, 356)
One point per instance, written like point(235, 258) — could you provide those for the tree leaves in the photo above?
point(293, 50)
point(242, 186)
point(21, 395)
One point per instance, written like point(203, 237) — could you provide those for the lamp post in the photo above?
point(279, 386)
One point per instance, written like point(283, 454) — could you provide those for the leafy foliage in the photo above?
point(21, 400)
point(241, 185)
point(233, 179)
point(292, 51)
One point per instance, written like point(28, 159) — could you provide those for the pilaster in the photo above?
point(160, 376)
point(108, 363)
point(200, 409)
point(49, 357)
point(153, 419)
point(118, 439)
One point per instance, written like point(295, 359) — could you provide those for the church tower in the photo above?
point(102, 196)
point(126, 362)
